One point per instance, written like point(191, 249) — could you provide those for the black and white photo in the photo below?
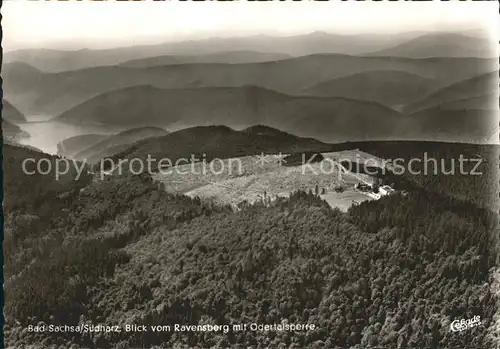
point(250, 175)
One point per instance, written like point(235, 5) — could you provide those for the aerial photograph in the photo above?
point(244, 175)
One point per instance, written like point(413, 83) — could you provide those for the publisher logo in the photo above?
point(465, 324)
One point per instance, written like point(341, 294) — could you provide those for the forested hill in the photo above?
point(219, 142)
point(478, 183)
point(125, 251)
point(32, 191)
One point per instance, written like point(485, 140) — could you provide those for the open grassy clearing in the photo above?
point(232, 181)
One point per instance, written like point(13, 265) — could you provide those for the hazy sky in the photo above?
point(91, 24)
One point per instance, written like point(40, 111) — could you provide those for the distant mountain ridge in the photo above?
point(478, 86)
point(462, 125)
point(109, 145)
point(238, 107)
point(327, 119)
point(482, 102)
point(442, 45)
point(389, 87)
point(239, 82)
point(33, 91)
point(229, 57)
point(53, 60)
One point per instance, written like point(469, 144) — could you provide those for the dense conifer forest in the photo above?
point(386, 274)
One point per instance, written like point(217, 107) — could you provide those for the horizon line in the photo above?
point(480, 33)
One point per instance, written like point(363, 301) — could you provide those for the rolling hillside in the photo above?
point(163, 258)
point(10, 118)
point(317, 42)
point(15, 143)
point(143, 105)
point(70, 146)
point(12, 131)
point(11, 114)
point(482, 102)
point(230, 57)
point(391, 88)
point(469, 125)
point(209, 142)
point(117, 143)
point(329, 119)
point(442, 45)
point(326, 119)
point(33, 91)
point(478, 86)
